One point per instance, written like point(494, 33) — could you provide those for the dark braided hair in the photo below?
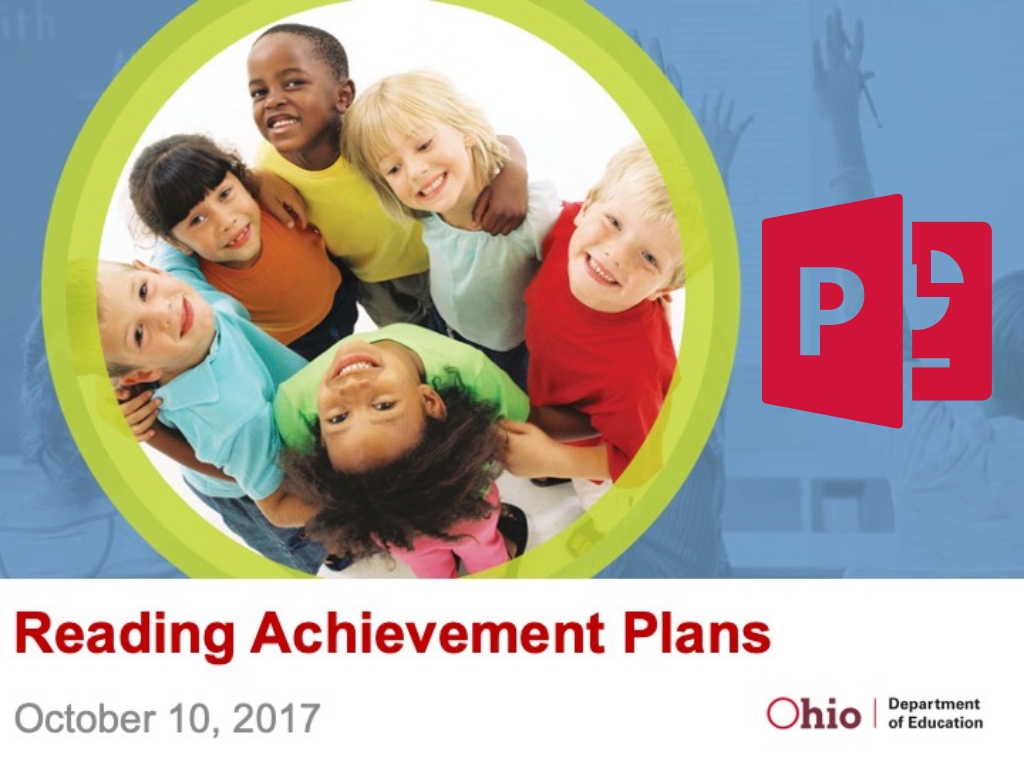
point(436, 484)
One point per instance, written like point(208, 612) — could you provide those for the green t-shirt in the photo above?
point(295, 405)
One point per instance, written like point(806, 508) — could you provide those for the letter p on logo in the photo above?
point(831, 303)
point(813, 316)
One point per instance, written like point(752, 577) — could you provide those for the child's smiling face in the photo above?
point(372, 405)
point(152, 322)
point(618, 258)
point(223, 227)
point(430, 169)
point(297, 101)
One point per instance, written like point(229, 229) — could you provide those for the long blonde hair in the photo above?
point(405, 103)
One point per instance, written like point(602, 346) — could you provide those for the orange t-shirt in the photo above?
point(290, 288)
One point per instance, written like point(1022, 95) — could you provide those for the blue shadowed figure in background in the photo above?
point(956, 469)
point(56, 522)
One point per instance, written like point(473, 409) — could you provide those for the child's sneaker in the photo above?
point(513, 526)
point(337, 562)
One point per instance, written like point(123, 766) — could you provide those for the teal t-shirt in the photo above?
point(223, 406)
point(443, 358)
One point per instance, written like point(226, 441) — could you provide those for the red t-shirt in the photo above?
point(615, 367)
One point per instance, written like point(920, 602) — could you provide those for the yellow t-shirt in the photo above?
point(356, 229)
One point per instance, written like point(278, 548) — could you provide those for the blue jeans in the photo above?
point(514, 362)
point(287, 546)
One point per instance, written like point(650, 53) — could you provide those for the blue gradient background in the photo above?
point(777, 493)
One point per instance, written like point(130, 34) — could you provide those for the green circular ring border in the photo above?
point(171, 57)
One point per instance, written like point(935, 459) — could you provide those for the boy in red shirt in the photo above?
point(596, 328)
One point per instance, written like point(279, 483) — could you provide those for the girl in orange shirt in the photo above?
point(201, 199)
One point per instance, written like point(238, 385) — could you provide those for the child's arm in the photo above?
point(285, 510)
point(561, 422)
point(722, 137)
point(501, 206)
point(172, 445)
point(838, 85)
point(141, 412)
point(531, 453)
point(281, 199)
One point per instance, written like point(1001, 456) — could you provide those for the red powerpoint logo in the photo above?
point(832, 311)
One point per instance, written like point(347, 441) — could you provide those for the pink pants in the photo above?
point(480, 546)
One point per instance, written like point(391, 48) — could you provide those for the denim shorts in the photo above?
point(287, 546)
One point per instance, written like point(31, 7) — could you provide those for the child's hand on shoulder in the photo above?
point(501, 207)
point(281, 199)
point(528, 449)
point(140, 409)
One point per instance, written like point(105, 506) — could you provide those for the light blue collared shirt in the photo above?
point(477, 280)
point(224, 407)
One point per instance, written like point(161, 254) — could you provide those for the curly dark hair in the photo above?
point(173, 175)
point(436, 484)
point(325, 45)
